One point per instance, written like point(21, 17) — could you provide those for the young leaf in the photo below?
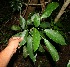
point(15, 27)
point(55, 36)
point(36, 19)
point(25, 54)
point(52, 50)
point(36, 39)
point(68, 65)
point(50, 7)
point(30, 48)
point(22, 34)
point(22, 22)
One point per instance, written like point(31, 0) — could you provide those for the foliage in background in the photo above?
point(35, 29)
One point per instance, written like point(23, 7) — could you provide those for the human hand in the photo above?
point(14, 42)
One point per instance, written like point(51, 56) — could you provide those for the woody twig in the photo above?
point(62, 10)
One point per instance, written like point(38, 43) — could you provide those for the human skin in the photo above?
point(8, 52)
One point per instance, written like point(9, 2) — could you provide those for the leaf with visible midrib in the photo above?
point(30, 48)
point(55, 36)
point(36, 39)
point(52, 50)
point(50, 7)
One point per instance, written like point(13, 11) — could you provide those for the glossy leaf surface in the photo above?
point(30, 48)
point(52, 50)
point(50, 7)
point(36, 39)
point(55, 36)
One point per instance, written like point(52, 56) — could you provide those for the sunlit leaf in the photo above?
point(50, 7)
point(22, 34)
point(52, 50)
point(30, 48)
point(25, 54)
point(22, 22)
point(55, 36)
point(36, 39)
point(15, 27)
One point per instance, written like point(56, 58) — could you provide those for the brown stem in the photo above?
point(34, 4)
point(29, 9)
point(62, 10)
point(26, 9)
point(43, 4)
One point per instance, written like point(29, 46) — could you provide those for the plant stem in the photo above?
point(62, 10)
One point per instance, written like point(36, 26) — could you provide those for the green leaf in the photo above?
point(22, 22)
point(29, 21)
point(42, 34)
point(45, 25)
point(59, 24)
point(36, 19)
point(36, 39)
point(68, 65)
point(25, 54)
point(50, 7)
point(41, 49)
point(55, 36)
point(31, 31)
point(30, 48)
point(15, 27)
point(52, 50)
point(22, 34)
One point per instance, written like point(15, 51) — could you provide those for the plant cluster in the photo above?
point(34, 30)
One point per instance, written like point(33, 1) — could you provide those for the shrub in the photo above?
point(34, 30)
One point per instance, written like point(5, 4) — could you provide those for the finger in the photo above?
point(13, 38)
point(16, 37)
